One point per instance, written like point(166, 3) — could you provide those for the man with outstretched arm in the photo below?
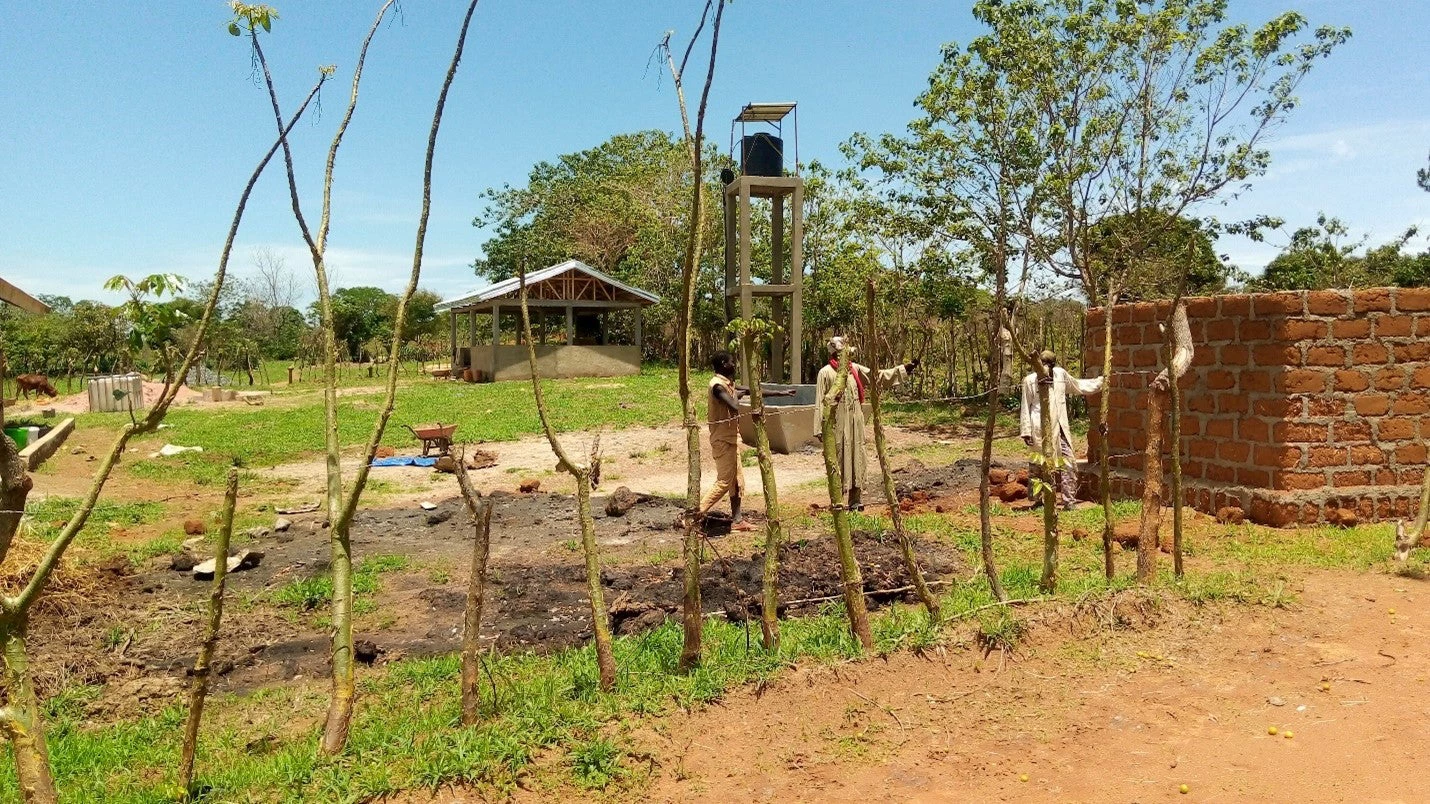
point(849, 415)
point(1060, 383)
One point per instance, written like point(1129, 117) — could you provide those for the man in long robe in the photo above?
point(849, 415)
point(1030, 419)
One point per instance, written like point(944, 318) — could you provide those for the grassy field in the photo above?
point(289, 426)
point(407, 733)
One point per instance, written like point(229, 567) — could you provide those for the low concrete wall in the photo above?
point(37, 453)
point(555, 361)
point(790, 422)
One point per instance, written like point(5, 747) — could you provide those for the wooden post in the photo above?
point(496, 330)
point(796, 278)
point(777, 277)
point(605, 326)
point(453, 313)
point(471, 328)
point(570, 325)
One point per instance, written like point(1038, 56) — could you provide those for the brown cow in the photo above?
point(39, 383)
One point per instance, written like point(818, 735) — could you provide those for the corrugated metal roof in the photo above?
point(513, 286)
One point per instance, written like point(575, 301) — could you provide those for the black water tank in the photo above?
point(762, 155)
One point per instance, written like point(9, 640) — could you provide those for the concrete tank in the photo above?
point(789, 420)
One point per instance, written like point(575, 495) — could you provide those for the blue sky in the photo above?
point(129, 134)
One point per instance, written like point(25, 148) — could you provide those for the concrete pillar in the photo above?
point(777, 277)
point(796, 276)
point(570, 325)
point(453, 313)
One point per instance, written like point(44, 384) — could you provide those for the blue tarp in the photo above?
point(404, 460)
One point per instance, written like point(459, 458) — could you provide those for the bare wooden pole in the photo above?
point(881, 448)
point(774, 529)
point(481, 513)
point(1153, 492)
point(852, 579)
point(199, 686)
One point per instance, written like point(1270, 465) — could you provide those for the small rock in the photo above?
point(998, 477)
point(621, 501)
point(366, 651)
point(256, 532)
point(1078, 534)
point(385, 451)
point(1230, 515)
point(89, 458)
point(1276, 701)
point(280, 525)
point(183, 562)
point(438, 517)
point(481, 459)
point(244, 559)
point(1022, 477)
point(427, 506)
point(193, 544)
point(938, 509)
point(195, 527)
point(529, 486)
point(1010, 492)
point(1343, 517)
point(77, 451)
point(446, 464)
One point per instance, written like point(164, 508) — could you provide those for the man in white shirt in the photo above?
point(1060, 384)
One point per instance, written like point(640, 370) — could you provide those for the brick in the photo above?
point(1327, 302)
point(1396, 428)
point(1413, 476)
point(1194, 469)
point(1253, 380)
point(1237, 306)
point(1372, 301)
point(1351, 381)
point(1412, 300)
point(1201, 306)
point(1201, 447)
point(1401, 507)
point(1422, 326)
point(1323, 406)
point(1253, 329)
point(1355, 477)
point(1203, 357)
point(1369, 354)
point(1350, 431)
point(1300, 432)
point(1220, 380)
point(1272, 513)
point(1220, 474)
point(1253, 430)
point(1276, 354)
point(1201, 403)
point(1221, 329)
point(1277, 457)
point(1233, 354)
point(1394, 326)
point(1153, 336)
point(1413, 403)
point(1219, 428)
point(1258, 478)
point(1279, 406)
point(1296, 329)
point(1351, 328)
point(1143, 312)
point(1385, 476)
point(1410, 453)
point(1333, 356)
point(1320, 457)
point(1392, 378)
point(1421, 378)
point(1233, 404)
point(1372, 404)
point(1302, 381)
point(1415, 351)
point(1366, 454)
point(1144, 358)
point(1297, 481)
point(1292, 303)
point(1234, 451)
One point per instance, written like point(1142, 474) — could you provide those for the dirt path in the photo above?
point(1127, 716)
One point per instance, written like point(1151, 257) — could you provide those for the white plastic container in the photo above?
point(102, 398)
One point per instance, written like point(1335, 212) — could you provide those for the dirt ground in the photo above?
point(135, 631)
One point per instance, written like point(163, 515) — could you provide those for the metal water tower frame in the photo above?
point(786, 277)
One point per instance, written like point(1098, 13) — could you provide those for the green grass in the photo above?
point(45, 518)
point(307, 594)
point(406, 733)
point(290, 425)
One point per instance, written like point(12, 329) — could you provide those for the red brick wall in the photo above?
point(1296, 404)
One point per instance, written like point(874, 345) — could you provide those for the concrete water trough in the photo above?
point(789, 420)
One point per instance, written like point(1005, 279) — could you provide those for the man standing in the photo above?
point(849, 415)
point(1060, 383)
point(723, 419)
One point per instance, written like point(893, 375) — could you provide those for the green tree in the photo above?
point(360, 314)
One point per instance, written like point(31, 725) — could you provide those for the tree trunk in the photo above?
point(896, 516)
point(20, 718)
point(990, 426)
point(600, 621)
point(199, 687)
point(774, 530)
point(853, 581)
point(1175, 422)
point(1104, 458)
point(481, 514)
point(1147, 543)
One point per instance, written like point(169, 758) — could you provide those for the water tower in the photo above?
point(762, 175)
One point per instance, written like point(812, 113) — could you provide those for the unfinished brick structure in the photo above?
point(1296, 405)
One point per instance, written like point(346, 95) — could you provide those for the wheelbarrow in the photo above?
point(434, 437)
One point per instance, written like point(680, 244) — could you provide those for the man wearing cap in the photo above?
point(849, 415)
point(1060, 383)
